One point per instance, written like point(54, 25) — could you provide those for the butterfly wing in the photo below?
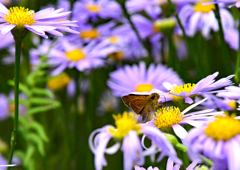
point(137, 105)
point(135, 102)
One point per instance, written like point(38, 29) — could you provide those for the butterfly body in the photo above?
point(142, 104)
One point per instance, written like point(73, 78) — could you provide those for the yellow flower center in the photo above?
point(113, 39)
point(20, 16)
point(167, 116)
point(223, 128)
point(125, 123)
point(93, 8)
point(144, 87)
point(75, 55)
point(89, 34)
point(178, 89)
point(117, 56)
point(58, 82)
point(204, 8)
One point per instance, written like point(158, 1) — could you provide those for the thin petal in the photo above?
point(179, 131)
point(7, 28)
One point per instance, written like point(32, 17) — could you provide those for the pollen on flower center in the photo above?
point(144, 87)
point(223, 128)
point(75, 55)
point(93, 8)
point(58, 82)
point(125, 123)
point(167, 116)
point(204, 8)
point(89, 34)
point(178, 89)
point(20, 16)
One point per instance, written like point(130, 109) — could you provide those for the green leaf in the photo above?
point(28, 155)
point(43, 101)
point(30, 79)
point(22, 87)
point(40, 109)
point(44, 92)
point(37, 140)
point(39, 129)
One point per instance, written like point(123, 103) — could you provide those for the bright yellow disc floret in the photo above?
point(223, 128)
point(125, 123)
point(20, 16)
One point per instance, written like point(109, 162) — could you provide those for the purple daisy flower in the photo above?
point(219, 141)
point(171, 118)
point(69, 55)
point(139, 79)
point(206, 85)
point(47, 20)
point(91, 9)
point(127, 130)
point(201, 18)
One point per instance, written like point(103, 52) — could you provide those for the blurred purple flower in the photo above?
point(91, 9)
point(69, 55)
point(139, 79)
point(127, 45)
point(201, 18)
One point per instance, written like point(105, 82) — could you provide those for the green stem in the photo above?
point(226, 59)
point(16, 86)
point(172, 60)
point(191, 52)
point(134, 27)
point(238, 54)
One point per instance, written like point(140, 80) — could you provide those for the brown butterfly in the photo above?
point(142, 104)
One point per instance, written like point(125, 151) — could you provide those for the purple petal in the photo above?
point(179, 131)
point(7, 28)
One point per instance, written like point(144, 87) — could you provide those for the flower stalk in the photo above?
point(191, 52)
point(238, 54)
point(18, 43)
point(226, 59)
point(134, 27)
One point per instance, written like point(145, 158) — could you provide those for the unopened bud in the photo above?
point(165, 26)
